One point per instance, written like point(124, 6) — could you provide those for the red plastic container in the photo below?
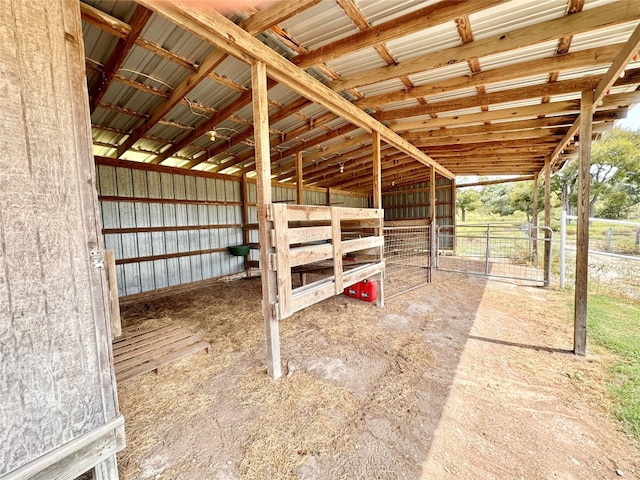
point(353, 291)
point(368, 291)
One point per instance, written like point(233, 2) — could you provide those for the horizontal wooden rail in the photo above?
point(179, 201)
point(115, 231)
point(151, 258)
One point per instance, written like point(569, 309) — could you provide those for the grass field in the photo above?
point(614, 323)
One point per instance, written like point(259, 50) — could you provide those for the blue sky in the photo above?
point(632, 122)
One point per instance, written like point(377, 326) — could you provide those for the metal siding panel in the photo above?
point(190, 187)
point(131, 278)
point(154, 185)
point(179, 189)
point(147, 276)
point(161, 275)
point(173, 272)
point(201, 188)
point(107, 180)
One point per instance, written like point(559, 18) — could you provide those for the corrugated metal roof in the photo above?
point(514, 15)
point(319, 25)
point(357, 61)
point(380, 11)
point(425, 41)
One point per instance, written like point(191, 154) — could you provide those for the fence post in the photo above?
point(434, 248)
point(548, 239)
point(608, 237)
point(563, 246)
point(488, 251)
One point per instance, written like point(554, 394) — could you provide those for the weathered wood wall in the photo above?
point(56, 382)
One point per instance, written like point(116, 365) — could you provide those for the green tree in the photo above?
point(467, 200)
point(615, 175)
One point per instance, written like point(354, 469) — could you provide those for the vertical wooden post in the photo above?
point(377, 203)
point(534, 221)
point(453, 215)
point(112, 284)
point(265, 225)
point(434, 223)
point(328, 197)
point(582, 237)
point(547, 217)
point(246, 236)
point(299, 184)
point(377, 171)
point(107, 469)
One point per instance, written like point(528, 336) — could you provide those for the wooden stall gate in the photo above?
point(320, 236)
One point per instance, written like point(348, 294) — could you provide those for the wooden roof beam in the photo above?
point(583, 58)
point(421, 19)
point(618, 65)
point(525, 178)
point(561, 108)
point(599, 17)
point(205, 22)
point(275, 13)
point(546, 122)
point(139, 19)
point(503, 96)
point(179, 93)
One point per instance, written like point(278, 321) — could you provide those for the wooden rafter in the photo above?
point(421, 19)
point(599, 17)
point(273, 14)
point(139, 19)
point(617, 67)
point(581, 59)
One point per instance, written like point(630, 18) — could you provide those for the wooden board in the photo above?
point(143, 351)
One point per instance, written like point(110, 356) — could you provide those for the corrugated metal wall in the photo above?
point(413, 202)
point(169, 229)
point(175, 232)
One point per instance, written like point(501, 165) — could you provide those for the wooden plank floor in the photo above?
point(142, 351)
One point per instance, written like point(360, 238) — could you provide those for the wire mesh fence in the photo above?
point(497, 250)
point(407, 255)
point(614, 255)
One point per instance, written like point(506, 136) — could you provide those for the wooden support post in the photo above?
point(534, 221)
point(328, 197)
point(107, 469)
point(377, 203)
point(265, 226)
point(336, 243)
point(377, 171)
point(432, 194)
point(547, 217)
point(582, 237)
point(453, 214)
point(299, 181)
point(246, 233)
point(112, 283)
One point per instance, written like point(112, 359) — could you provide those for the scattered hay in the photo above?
point(298, 417)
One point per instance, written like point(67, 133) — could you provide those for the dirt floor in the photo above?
point(464, 378)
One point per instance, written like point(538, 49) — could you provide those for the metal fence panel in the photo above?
point(407, 256)
point(514, 251)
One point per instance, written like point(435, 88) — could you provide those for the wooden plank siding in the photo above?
point(59, 395)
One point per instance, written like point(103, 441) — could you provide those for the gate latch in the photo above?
point(96, 259)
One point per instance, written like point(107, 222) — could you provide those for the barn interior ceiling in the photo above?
point(483, 87)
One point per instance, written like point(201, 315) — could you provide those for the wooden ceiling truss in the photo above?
point(491, 120)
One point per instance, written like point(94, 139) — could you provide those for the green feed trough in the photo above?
point(239, 250)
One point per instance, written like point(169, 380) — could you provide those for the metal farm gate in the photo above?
point(496, 250)
point(408, 258)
